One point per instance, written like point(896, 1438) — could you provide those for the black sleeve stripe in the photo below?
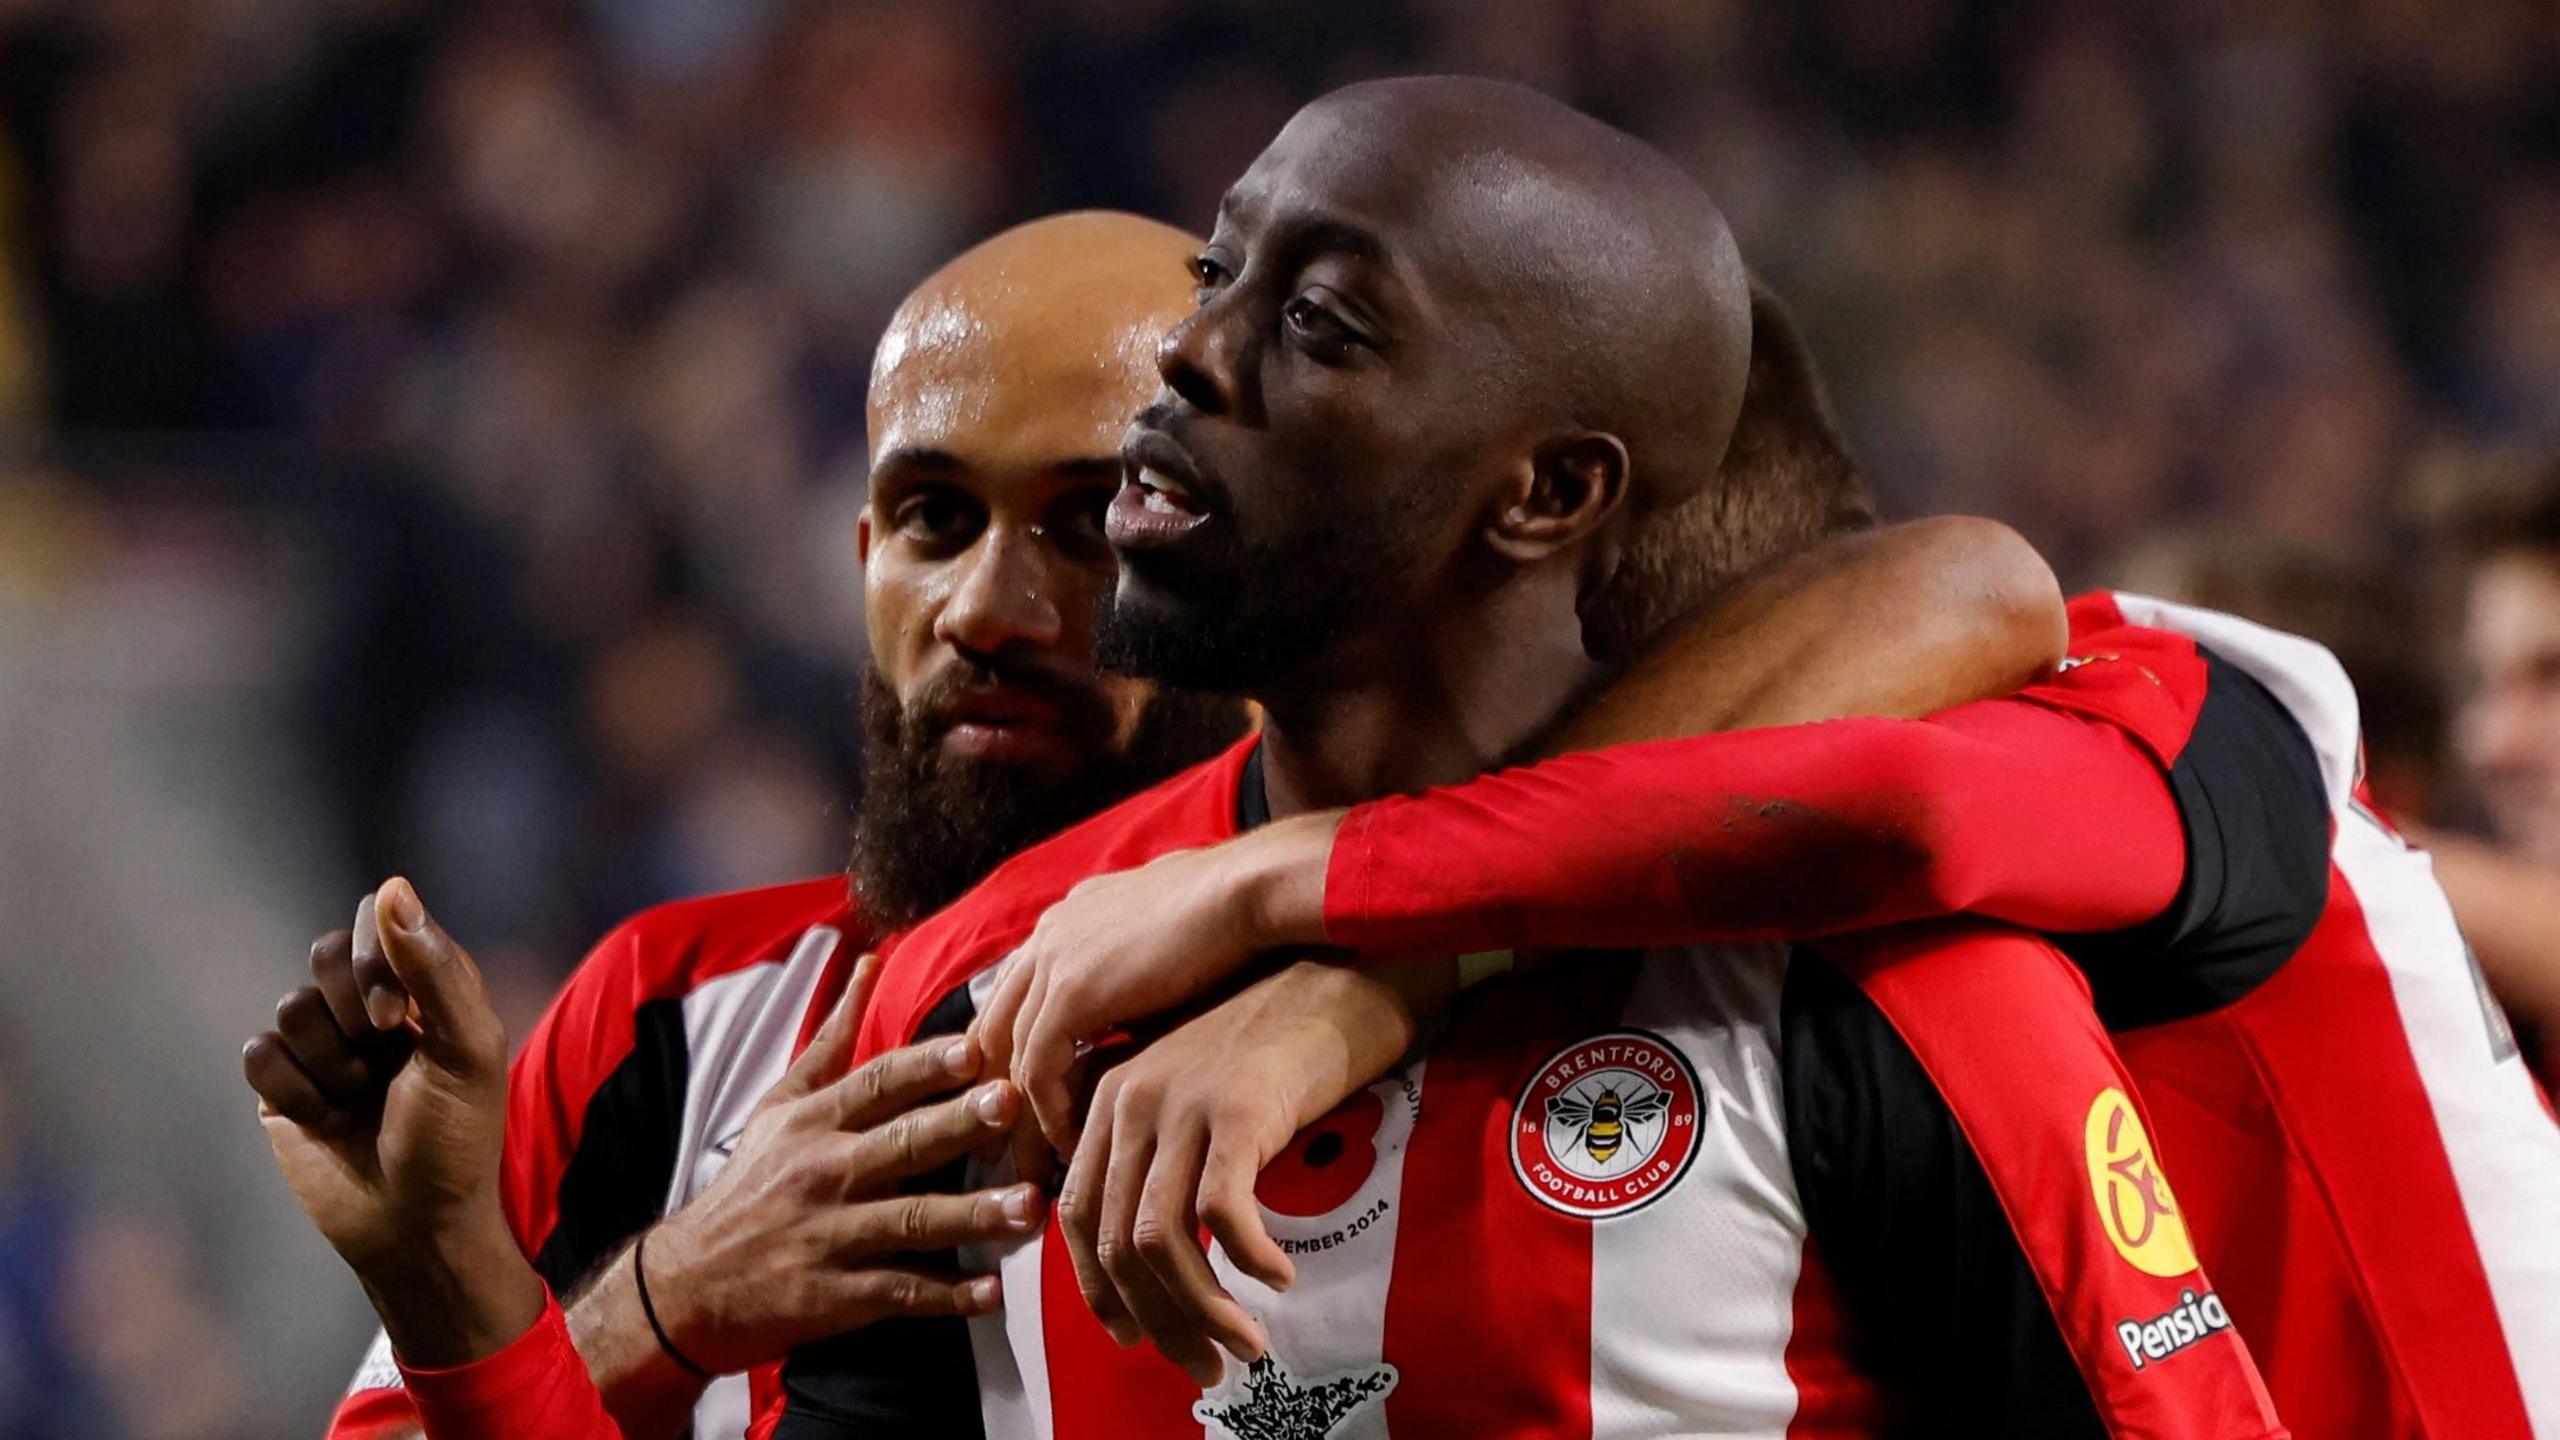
point(899, 1377)
point(616, 1183)
point(1943, 1306)
point(2257, 824)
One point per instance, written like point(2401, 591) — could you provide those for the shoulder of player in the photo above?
point(670, 949)
point(942, 953)
point(2148, 681)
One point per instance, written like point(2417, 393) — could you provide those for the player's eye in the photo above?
point(938, 517)
point(1324, 333)
point(1208, 273)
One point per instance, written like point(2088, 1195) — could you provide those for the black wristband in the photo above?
point(640, 1273)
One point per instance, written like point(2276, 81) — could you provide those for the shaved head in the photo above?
point(1046, 325)
point(1608, 276)
point(997, 401)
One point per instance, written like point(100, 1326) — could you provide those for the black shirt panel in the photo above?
point(1943, 1306)
point(2257, 824)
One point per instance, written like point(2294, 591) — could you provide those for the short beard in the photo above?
point(927, 829)
point(1278, 609)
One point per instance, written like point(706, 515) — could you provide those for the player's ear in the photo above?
point(1566, 493)
point(862, 537)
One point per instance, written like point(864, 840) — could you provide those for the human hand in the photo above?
point(805, 1234)
point(1119, 948)
point(386, 1115)
point(1180, 1131)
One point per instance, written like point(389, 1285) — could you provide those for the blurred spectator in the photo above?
point(2505, 539)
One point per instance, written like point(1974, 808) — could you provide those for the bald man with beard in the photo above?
point(998, 399)
point(995, 409)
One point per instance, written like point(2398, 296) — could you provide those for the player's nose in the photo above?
point(1200, 358)
point(1005, 600)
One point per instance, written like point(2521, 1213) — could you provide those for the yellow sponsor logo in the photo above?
point(2133, 1197)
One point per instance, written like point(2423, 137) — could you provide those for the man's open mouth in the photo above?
point(1158, 503)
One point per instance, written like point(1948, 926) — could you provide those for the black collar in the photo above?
point(1253, 798)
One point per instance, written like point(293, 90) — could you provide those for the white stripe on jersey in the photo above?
point(1692, 1293)
point(1335, 1318)
point(1693, 1297)
point(2504, 1150)
point(738, 1034)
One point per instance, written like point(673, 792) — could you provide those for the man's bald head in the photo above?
point(1049, 321)
point(1611, 279)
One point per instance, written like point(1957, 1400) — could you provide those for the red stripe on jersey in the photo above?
point(2333, 1185)
point(1098, 1391)
point(1835, 1400)
point(1514, 1268)
point(2030, 1093)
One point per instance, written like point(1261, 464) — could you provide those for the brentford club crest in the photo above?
point(1606, 1125)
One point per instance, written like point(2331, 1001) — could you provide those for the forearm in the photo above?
point(1904, 621)
point(650, 1395)
point(447, 1301)
point(2008, 810)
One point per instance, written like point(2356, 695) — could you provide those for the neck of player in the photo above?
point(1401, 709)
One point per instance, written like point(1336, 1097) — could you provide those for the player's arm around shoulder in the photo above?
point(1896, 622)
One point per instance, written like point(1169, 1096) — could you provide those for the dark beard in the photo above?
point(927, 830)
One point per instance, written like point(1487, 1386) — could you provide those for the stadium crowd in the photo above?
point(527, 342)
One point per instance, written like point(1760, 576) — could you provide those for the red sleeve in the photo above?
point(536, 1386)
point(2013, 808)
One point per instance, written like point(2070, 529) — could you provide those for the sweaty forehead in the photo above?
point(1035, 346)
point(1014, 374)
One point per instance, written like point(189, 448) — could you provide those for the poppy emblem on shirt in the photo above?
point(1269, 1403)
point(2134, 1204)
point(1606, 1125)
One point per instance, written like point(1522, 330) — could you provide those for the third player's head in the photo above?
point(2509, 539)
point(998, 398)
point(1452, 339)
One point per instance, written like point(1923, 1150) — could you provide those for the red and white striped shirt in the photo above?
point(1592, 1207)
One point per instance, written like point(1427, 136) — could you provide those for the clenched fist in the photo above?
point(383, 1091)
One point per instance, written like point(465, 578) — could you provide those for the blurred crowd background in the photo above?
point(433, 436)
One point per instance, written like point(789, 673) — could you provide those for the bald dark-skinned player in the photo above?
point(1455, 344)
point(1001, 392)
